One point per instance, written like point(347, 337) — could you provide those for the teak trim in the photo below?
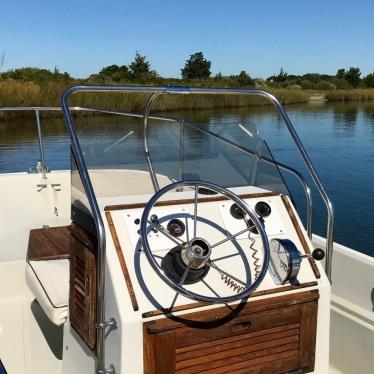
point(187, 201)
point(122, 261)
point(165, 324)
point(300, 234)
point(181, 308)
point(52, 243)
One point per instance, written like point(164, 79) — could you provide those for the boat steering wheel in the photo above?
point(192, 257)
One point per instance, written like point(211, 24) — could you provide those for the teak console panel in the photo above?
point(275, 335)
point(82, 303)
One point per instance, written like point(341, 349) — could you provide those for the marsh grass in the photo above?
point(21, 93)
point(18, 93)
point(359, 94)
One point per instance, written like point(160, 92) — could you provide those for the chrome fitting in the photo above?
point(112, 324)
point(111, 370)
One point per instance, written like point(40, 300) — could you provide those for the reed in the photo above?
point(18, 93)
point(359, 94)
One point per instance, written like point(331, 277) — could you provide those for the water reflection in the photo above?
point(368, 114)
point(345, 118)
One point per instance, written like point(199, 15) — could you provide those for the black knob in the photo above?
point(263, 209)
point(251, 224)
point(236, 211)
point(318, 254)
point(176, 227)
point(154, 218)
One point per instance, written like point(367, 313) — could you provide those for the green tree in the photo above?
point(196, 67)
point(340, 74)
point(245, 80)
point(140, 68)
point(342, 84)
point(323, 85)
point(109, 70)
point(369, 80)
point(36, 75)
point(352, 76)
point(280, 78)
point(115, 73)
point(308, 85)
point(312, 77)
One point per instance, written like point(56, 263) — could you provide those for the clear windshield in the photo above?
point(225, 152)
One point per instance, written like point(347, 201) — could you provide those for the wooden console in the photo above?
point(274, 335)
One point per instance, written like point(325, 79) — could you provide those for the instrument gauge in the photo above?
point(284, 262)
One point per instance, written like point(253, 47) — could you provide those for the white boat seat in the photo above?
point(48, 280)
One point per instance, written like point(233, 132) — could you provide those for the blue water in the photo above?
point(338, 137)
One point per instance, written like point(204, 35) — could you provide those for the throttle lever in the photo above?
point(318, 254)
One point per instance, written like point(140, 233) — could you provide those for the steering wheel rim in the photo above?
point(231, 196)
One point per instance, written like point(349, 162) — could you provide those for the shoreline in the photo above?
point(17, 93)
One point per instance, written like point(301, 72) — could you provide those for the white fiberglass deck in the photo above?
point(22, 343)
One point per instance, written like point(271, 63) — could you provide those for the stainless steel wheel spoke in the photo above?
point(195, 212)
point(231, 237)
point(174, 301)
point(225, 257)
point(210, 288)
point(184, 276)
point(187, 230)
point(222, 272)
point(160, 229)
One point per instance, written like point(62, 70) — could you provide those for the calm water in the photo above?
point(339, 139)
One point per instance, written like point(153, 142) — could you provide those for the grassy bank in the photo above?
point(21, 93)
point(351, 95)
point(18, 93)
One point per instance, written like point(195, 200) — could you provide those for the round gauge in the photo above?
point(284, 262)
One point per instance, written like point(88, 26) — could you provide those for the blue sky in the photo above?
point(82, 36)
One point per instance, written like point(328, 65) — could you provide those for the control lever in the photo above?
point(318, 254)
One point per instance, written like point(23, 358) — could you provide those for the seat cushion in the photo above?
point(48, 280)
